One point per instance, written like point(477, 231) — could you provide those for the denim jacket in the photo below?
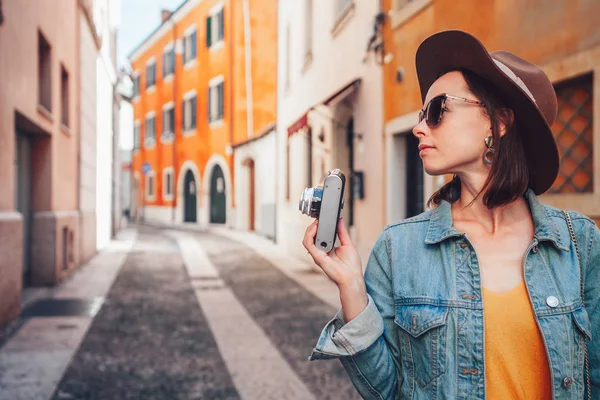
point(421, 335)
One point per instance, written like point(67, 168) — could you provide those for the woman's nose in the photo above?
point(420, 129)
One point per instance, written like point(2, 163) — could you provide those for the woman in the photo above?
point(479, 297)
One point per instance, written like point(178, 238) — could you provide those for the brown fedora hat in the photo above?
point(522, 85)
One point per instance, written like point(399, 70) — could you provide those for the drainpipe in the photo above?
point(175, 108)
point(248, 65)
point(230, 44)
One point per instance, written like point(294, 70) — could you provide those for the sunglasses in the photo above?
point(434, 110)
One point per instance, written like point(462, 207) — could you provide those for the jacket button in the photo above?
point(567, 382)
point(552, 301)
point(534, 249)
point(463, 245)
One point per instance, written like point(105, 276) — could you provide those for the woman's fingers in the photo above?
point(343, 233)
point(309, 243)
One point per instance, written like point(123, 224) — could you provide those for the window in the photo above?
point(215, 28)
point(136, 86)
point(64, 96)
point(44, 73)
point(150, 185)
point(150, 138)
point(136, 135)
point(168, 183)
point(216, 100)
point(168, 120)
point(189, 45)
point(574, 133)
point(308, 31)
point(168, 60)
point(150, 73)
point(342, 7)
point(189, 112)
point(398, 4)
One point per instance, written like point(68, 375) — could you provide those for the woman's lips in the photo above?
point(423, 148)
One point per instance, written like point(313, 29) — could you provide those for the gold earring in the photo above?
point(488, 156)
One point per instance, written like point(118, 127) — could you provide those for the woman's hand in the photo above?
point(342, 264)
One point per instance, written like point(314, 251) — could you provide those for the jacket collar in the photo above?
point(441, 227)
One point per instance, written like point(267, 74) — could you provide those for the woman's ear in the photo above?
point(506, 117)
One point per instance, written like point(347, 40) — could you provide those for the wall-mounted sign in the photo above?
point(358, 185)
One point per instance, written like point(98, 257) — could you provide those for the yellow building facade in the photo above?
point(202, 86)
point(559, 36)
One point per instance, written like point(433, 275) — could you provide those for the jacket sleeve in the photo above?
point(591, 260)
point(367, 345)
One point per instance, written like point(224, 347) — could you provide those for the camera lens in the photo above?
point(323, 244)
point(310, 201)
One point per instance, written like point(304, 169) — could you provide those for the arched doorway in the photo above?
point(190, 197)
point(218, 204)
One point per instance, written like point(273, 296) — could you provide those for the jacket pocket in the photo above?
point(582, 322)
point(422, 340)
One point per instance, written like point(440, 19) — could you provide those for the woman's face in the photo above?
point(457, 143)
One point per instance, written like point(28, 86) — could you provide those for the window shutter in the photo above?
point(221, 99)
point(172, 57)
point(183, 116)
point(221, 23)
point(193, 107)
point(172, 120)
point(208, 32)
point(185, 55)
point(193, 45)
point(209, 102)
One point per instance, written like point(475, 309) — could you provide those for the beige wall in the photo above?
point(87, 116)
point(54, 148)
point(337, 59)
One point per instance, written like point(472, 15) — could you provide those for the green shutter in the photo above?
point(221, 100)
point(209, 116)
point(193, 107)
point(183, 116)
point(208, 32)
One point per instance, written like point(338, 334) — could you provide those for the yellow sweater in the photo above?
point(515, 358)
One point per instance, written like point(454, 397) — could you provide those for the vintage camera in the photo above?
point(325, 203)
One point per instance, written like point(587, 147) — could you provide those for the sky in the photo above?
point(138, 19)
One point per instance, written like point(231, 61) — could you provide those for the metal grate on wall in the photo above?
point(574, 133)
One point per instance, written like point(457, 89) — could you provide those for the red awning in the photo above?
point(342, 93)
point(299, 124)
point(336, 97)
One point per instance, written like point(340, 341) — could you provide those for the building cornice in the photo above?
point(86, 9)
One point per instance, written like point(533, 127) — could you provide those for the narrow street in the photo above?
point(171, 314)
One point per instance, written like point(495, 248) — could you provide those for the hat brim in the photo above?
point(451, 50)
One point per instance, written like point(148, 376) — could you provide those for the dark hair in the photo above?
point(509, 175)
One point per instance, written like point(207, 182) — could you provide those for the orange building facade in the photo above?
point(560, 36)
point(204, 84)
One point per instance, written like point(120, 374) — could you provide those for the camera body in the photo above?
point(325, 203)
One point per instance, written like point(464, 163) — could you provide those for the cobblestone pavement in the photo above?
point(150, 340)
point(155, 338)
point(290, 316)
